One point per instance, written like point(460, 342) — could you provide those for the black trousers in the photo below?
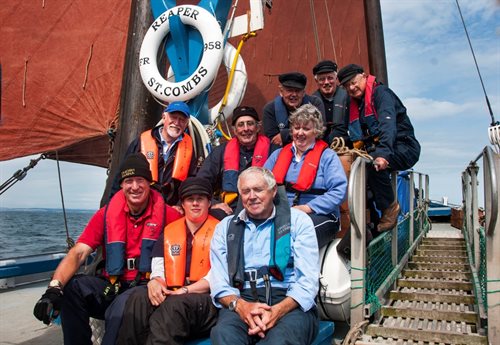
point(326, 227)
point(178, 319)
point(83, 298)
point(406, 154)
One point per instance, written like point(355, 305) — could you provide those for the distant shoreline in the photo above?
point(44, 209)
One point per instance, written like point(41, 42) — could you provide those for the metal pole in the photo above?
point(394, 242)
point(412, 208)
point(491, 168)
point(357, 209)
point(474, 214)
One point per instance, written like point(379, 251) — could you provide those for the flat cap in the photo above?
point(325, 66)
point(346, 73)
point(244, 111)
point(296, 80)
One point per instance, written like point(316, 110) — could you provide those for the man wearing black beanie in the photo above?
point(127, 228)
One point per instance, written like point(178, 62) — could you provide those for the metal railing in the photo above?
point(369, 287)
point(483, 238)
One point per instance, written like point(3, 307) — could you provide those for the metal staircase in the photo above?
point(433, 302)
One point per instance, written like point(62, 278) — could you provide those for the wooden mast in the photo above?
point(375, 36)
point(138, 109)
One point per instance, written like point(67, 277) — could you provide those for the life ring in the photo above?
point(238, 86)
point(206, 71)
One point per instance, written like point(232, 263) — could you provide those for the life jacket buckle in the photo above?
point(131, 264)
point(252, 274)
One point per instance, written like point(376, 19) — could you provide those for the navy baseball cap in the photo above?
point(178, 107)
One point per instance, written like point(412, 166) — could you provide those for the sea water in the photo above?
point(38, 231)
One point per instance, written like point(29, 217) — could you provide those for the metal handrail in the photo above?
point(490, 162)
point(357, 166)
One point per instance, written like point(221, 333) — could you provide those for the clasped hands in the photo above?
point(259, 317)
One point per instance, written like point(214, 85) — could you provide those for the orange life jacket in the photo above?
point(175, 256)
point(183, 155)
point(308, 170)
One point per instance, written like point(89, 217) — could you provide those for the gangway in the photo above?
point(427, 283)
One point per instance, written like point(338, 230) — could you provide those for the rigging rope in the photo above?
point(69, 241)
point(20, 174)
point(331, 31)
point(245, 38)
point(493, 122)
point(339, 146)
point(315, 29)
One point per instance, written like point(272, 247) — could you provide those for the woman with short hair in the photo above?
point(311, 172)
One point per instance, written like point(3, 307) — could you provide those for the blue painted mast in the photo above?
point(184, 46)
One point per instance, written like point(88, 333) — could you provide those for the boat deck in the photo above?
point(17, 323)
point(19, 326)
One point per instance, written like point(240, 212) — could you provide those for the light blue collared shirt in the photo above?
point(301, 281)
point(330, 176)
point(166, 148)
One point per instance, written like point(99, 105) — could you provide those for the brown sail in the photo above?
point(63, 64)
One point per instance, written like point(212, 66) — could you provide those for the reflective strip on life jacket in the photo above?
point(308, 170)
point(175, 255)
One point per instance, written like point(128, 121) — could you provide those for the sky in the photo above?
point(431, 69)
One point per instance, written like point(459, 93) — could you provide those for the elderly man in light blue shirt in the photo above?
point(265, 269)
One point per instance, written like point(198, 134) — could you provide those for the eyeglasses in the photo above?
point(242, 124)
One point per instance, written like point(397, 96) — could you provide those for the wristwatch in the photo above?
point(232, 304)
point(54, 283)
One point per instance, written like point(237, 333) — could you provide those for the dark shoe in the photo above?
point(389, 217)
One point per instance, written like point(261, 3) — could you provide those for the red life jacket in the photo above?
point(175, 256)
point(183, 155)
point(308, 170)
point(370, 115)
point(115, 233)
point(232, 160)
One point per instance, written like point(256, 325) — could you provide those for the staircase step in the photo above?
point(452, 275)
point(442, 247)
point(442, 266)
point(447, 253)
point(446, 259)
point(435, 284)
point(443, 240)
point(426, 335)
point(448, 315)
point(432, 296)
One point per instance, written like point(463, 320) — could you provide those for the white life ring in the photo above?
point(238, 86)
point(201, 78)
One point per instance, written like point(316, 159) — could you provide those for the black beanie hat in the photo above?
point(195, 185)
point(135, 165)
